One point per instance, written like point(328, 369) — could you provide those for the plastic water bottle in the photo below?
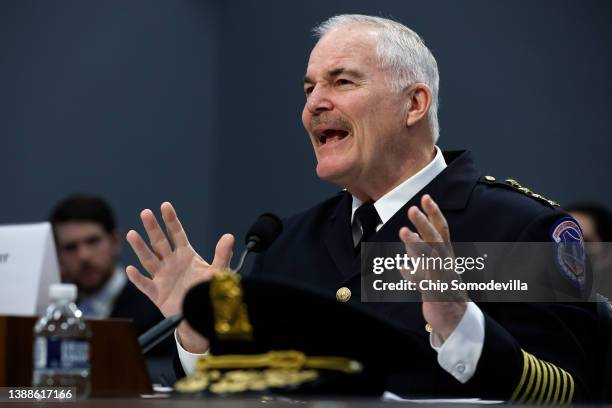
point(61, 344)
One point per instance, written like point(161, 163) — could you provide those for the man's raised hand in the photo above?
point(443, 312)
point(174, 266)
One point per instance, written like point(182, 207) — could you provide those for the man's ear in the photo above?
point(418, 103)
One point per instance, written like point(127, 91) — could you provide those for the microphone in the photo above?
point(159, 332)
point(258, 238)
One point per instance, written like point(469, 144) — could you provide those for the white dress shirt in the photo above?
point(459, 354)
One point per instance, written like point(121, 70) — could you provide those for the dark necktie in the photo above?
point(369, 219)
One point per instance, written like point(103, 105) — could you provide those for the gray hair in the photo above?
point(402, 51)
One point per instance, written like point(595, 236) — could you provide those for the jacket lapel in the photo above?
point(338, 237)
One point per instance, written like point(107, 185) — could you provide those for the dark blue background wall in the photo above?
point(109, 97)
point(199, 102)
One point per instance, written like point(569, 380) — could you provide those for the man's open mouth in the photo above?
point(332, 135)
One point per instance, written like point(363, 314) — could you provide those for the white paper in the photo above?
point(389, 396)
point(28, 266)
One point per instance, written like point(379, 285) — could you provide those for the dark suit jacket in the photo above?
point(315, 250)
point(134, 305)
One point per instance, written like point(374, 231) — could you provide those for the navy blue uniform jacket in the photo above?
point(315, 250)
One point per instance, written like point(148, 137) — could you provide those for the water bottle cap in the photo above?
point(63, 291)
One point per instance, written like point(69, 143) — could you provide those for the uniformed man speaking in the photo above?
point(371, 89)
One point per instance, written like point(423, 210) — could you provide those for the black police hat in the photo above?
point(277, 337)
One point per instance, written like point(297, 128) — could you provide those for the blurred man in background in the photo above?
point(594, 219)
point(596, 223)
point(88, 247)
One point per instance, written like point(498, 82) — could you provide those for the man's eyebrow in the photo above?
point(336, 72)
point(339, 71)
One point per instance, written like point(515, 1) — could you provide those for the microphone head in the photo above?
point(263, 233)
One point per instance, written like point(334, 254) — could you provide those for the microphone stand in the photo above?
point(159, 332)
point(253, 242)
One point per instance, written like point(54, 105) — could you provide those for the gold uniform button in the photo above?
point(428, 328)
point(343, 294)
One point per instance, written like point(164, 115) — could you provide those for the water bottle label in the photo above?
point(40, 352)
point(61, 353)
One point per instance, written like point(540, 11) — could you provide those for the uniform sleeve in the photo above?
point(537, 352)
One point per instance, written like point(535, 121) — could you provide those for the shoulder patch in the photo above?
point(566, 230)
point(569, 251)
